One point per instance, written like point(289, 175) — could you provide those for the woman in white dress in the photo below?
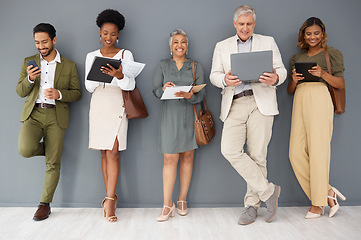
point(108, 124)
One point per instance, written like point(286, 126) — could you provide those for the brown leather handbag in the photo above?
point(338, 95)
point(133, 102)
point(204, 127)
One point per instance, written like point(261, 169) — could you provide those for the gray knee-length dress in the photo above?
point(177, 117)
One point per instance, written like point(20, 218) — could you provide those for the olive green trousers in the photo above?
point(42, 125)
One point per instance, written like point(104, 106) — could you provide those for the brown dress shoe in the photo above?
point(42, 213)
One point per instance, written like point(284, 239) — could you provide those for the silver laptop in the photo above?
point(248, 67)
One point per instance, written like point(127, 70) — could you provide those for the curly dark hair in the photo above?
point(111, 16)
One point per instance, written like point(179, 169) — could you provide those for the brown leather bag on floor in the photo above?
point(338, 95)
point(204, 127)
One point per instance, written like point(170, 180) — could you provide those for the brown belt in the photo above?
point(243, 94)
point(44, 105)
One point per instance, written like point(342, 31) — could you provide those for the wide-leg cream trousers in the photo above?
point(311, 133)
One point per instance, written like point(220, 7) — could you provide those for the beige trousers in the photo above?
point(246, 123)
point(311, 133)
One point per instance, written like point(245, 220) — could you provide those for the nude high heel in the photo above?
point(335, 208)
point(162, 217)
point(111, 218)
point(311, 215)
point(180, 205)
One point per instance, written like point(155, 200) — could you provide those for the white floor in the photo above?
point(200, 223)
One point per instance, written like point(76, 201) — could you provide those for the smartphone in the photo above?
point(33, 63)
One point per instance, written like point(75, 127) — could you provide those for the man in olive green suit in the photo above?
point(48, 88)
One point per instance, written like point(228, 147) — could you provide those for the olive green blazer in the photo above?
point(66, 80)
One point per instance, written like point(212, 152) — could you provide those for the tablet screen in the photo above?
point(303, 67)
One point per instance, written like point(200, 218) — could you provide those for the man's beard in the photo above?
point(48, 52)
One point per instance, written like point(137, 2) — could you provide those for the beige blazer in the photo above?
point(264, 94)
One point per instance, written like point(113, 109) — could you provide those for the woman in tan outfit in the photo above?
point(312, 117)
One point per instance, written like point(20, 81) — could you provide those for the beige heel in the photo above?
point(334, 209)
point(338, 194)
point(164, 217)
point(181, 211)
point(311, 215)
point(111, 218)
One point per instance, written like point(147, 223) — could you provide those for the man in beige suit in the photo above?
point(45, 116)
point(247, 111)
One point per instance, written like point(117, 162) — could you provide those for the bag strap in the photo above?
point(204, 101)
point(328, 63)
point(194, 75)
point(123, 58)
point(194, 81)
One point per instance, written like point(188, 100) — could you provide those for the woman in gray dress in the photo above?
point(177, 138)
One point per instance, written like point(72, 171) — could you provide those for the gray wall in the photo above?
point(148, 24)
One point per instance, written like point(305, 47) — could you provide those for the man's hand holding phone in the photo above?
point(33, 70)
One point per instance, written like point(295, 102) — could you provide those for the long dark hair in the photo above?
point(308, 23)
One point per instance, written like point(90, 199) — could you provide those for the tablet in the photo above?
point(248, 67)
point(96, 75)
point(303, 67)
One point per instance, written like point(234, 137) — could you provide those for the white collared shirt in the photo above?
point(47, 78)
point(243, 47)
point(127, 83)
